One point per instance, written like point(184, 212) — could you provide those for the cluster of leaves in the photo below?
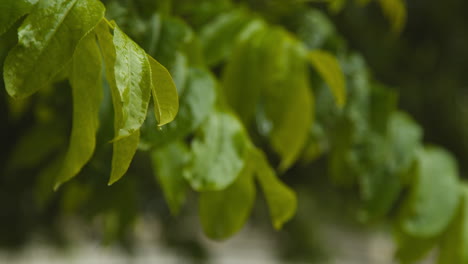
point(294, 89)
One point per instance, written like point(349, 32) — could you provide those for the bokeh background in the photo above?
point(425, 63)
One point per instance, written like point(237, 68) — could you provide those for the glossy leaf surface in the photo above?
point(46, 42)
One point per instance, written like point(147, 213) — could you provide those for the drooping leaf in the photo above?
point(289, 138)
point(281, 200)
point(12, 10)
point(125, 148)
point(454, 245)
point(196, 103)
point(218, 153)
point(434, 196)
point(219, 36)
point(86, 86)
point(223, 213)
point(287, 85)
point(46, 42)
point(133, 83)
point(240, 79)
point(165, 98)
point(329, 69)
point(168, 164)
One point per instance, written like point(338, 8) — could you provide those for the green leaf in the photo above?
point(434, 196)
point(454, 244)
point(125, 148)
point(289, 135)
point(388, 161)
point(219, 36)
point(405, 137)
point(281, 200)
point(166, 101)
point(329, 69)
point(240, 78)
point(223, 213)
point(168, 164)
point(196, 103)
point(219, 153)
point(85, 80)
point(133, 83)
point(285, 107)
point(46, 42)
point(12, 10)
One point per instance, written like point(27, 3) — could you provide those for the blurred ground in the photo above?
point(249, 247)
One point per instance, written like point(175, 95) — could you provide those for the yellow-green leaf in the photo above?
point(46, 42)
point(281, 200)
point(125, 148)
point(166, 101)
point(133, 82)
point(329, 69)
point(85, 80)
point(286, 98)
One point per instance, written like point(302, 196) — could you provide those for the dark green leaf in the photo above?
point(12, 10)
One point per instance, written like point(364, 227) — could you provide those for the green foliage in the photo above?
point(169, 163)
point(250, 93)
point(85, 80)
point(218, 153)
point(12, 10)
point(46, 42)
point(223, 213)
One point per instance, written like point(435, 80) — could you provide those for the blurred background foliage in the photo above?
point(418, 48)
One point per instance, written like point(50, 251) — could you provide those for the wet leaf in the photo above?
point(46, 42)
